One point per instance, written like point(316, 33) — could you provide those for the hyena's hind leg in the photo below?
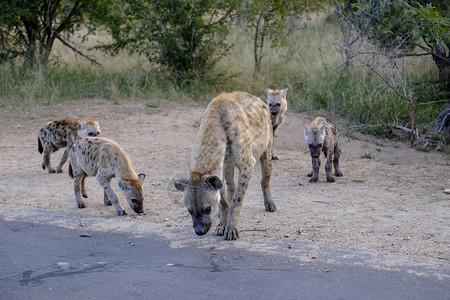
point(112, 196)
point(63, 160)
point(78, 183)
point(337, 155)
point(83, 186)
point(46, 160)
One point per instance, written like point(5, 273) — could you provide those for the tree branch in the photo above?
point(66, 43)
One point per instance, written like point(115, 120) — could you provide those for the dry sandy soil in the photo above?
point(394, 202)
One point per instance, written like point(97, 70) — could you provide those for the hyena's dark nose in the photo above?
point(200, 228)
point(274, 113)
point(138, 210)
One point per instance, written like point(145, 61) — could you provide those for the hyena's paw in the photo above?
point(338, 173)
point(84, 194)
point(330, 179)
point(314, 179)
point(270, 206)
point(43, 166)
point(220, 230)
point(107, 202)
point(59, 170)
point(51, 170)
point(274, 157)
point(310, 174)
point(81, 204)
point(121, 212)
point(231, 233)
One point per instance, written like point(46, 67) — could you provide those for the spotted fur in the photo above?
point(235, 131)
point(63, 133)
point(322, 135)
point(105, 159)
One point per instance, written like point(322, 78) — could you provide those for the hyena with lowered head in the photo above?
point(63, 133)
point(322, 135)
point(105, 159)
point(276, 100)
point(235, 131)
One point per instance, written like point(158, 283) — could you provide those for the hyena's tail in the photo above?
point(70, 170)
point(40, 146)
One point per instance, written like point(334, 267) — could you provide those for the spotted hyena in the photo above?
point(235, 131)
point(63, 133)
point(276, 100)
point(105, 159)
point(322, 135)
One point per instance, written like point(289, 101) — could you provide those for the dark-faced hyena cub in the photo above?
point(63, 133)
point(322, 135)
point(276, 100)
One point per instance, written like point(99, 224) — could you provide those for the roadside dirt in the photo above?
point(394, 202)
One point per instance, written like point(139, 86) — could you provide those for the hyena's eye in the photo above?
point(278, 105)
point(310, 145)
point(320, 145)
point(92, 134)
point(190, 211)
point(207, 210)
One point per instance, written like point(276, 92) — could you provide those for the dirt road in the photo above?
point(394, 202)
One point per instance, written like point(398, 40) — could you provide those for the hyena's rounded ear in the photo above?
point(284, 92)
point(141, 177)
point(180, 184)
point(269, 92)
point(97, 122)
point(214, 181)
point(322, 128)
point(306, 128)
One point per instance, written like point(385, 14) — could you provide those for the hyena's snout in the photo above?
point(137, 206)
point(201, 225)
point(274, 111)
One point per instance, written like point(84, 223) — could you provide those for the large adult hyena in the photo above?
point(105, 159)
point(322, 135)
point(276, 100)
point(63, 133)
point(235, 131)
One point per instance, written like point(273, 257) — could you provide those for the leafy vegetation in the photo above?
point(311, 64)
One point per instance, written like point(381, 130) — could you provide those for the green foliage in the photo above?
point(29, 28)
point(269, 20)
point(183, 38)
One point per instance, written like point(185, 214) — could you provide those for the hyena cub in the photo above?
point(105, 159)
point(322, 135)
point(235, 131)
point(276, 100)
point(63, 133)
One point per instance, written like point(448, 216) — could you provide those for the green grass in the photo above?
point(308, 67)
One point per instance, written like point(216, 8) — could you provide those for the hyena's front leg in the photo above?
point(46, 161)
point(337, 155)
point(226, 196)
point(266, 172)
point(314, 174)
point(234, 211)
point(63, 160)
point(330, 155)
point(106, 199)
point(113, 198)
